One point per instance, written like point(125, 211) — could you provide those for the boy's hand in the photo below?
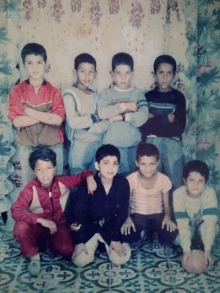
point(91, 184)
point(27, 111)
point(118, 248)
point(48, 224)
point(131, 106)
point(79, 248)
point(126, 227)
point(151, 115)
point(171, 226)
point(187, 256)
point(208, 258)
point(115, 118)
point(171, 116)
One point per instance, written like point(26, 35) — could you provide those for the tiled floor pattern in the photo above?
point(146, 271)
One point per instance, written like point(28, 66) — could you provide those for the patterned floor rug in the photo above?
point(147, 271)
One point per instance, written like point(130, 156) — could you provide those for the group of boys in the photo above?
point(102, 131)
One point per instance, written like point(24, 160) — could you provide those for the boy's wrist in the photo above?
point(123, 107)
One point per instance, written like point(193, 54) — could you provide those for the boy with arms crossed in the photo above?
point(167, 119)
point(83, 126)
point(39, 210)
point(36, 110)
point(196, 210)
point(99, 217)
point(126, 109)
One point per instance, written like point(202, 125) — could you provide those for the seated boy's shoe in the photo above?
point(34, 267)
point(157, 246)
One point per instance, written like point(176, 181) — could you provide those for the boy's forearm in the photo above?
point(47, 118)
point(24, 121)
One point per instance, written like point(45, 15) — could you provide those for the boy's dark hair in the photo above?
point(33, 49)
point(122, 59)
point(164, 59)
point(196, 166)
point(107, 150)
point(147, 149)
point(44, 154)
point(84, 58)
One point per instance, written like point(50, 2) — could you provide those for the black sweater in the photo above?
point(161, 104)
point(86, 211)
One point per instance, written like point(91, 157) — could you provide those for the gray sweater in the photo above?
point(123, 133)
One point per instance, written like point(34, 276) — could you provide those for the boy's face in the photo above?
point(35, 66)
point(108, 167)
point(122, 76)
point(44, 171)
point(164, 76)
point(147, 166)
point(195, 184)
point(86, 73)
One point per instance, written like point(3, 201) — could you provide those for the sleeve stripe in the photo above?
point(211, 212)
point(70, 94)
point(142, 103)
point(181, 215)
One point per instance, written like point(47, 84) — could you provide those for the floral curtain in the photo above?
point(186, 29)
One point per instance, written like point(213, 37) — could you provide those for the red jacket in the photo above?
point(35, 201)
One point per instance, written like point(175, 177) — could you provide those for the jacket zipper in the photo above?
point(51, 200)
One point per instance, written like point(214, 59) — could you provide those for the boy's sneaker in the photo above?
point(34, 267)
point(157, 246)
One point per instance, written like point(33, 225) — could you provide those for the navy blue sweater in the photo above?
point(86, 211)
point(161, 104)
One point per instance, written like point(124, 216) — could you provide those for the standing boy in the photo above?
point(99, 217)
point(36, 110)
point(167, 119)
point(39, 209)
point(126, 109)
point(196, 210)
point(83, 126)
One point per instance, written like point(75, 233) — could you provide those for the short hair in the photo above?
point(107, 150)
point(147, 149)
point(165, 59)
point(84, 58)
point(33, 49)
point(122, 59)
point(196, 166)
point(44, 154)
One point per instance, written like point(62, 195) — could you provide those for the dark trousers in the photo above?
point(149, 223)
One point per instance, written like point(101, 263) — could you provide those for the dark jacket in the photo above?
point(86, 211)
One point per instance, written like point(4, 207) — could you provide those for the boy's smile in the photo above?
point(164, 76)
point(122, 76)
point(147, 166)
point(44, 171)
point(35, 66)
point(108, 167)
point(85, 74)
point(195, 184)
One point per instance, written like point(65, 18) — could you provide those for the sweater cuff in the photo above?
point(127, 117)
point(123, 107)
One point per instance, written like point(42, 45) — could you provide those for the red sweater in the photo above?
point(35, 201)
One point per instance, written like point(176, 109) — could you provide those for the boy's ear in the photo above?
point(136, 162)
point(184, 180)
point(158, 162)
point(97, 166)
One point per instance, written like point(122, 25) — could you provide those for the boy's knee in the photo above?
point(120, 260)
point(21, 229)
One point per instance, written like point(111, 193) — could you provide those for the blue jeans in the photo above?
point(171, 158)
point(81, 156)
point(24, 153)
point(127, 162)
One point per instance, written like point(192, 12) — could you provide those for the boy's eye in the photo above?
point(116, 163)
